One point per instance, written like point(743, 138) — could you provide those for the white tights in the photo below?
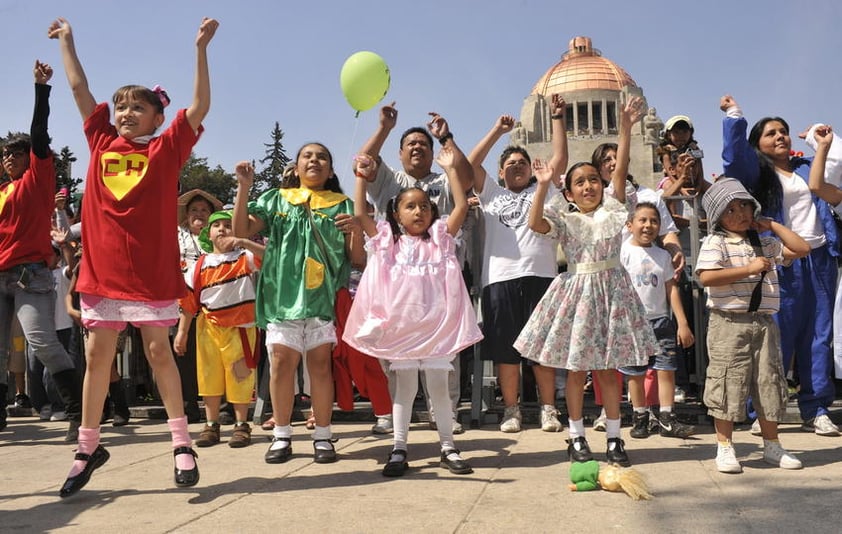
point(405, 391)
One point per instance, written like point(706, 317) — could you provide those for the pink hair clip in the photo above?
point(165, 99)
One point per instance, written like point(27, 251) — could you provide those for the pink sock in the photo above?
point(181, 438)
point(88, 442)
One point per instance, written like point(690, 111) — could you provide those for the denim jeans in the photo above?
point(34, 306)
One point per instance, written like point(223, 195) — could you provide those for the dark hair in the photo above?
point(650, 205)
point(509, 150)
point(198, 197)
point(600, 152)
point(17, 142)
point(139, 92)
point(416, 129)
point(290, 180)
point(768, 190)
point(394, 203)
point(575, 167)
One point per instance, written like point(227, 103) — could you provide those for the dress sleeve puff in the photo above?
point(555, 213)
point(442, 238)
point(382, 240)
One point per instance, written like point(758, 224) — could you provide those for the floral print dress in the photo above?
point(590, 317)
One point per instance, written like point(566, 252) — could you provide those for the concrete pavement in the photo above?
point(519, 484)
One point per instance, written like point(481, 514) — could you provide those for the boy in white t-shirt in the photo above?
point(651, 271)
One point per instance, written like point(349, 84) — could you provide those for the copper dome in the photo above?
point(582, 67)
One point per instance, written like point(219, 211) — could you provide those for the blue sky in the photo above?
point(469, 60)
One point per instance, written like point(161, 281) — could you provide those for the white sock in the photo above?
point(281, 432)
point(576, 429)
point(406, 386)
point(612, 428)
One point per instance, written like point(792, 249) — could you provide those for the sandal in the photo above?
point(268, 424)
point(324, 456)
point(396, 465)
point(185, 478)
point(311, 423)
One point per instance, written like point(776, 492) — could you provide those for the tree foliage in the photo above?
point(63, 161)
point(274, 162)
point(197, 175)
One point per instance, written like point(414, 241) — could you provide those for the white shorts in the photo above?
point(300, 334)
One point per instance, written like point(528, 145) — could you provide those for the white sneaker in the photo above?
point(384, 425)
point(726, 460)
point(599, 423)
point(457, 427)
point(821, 425)
point(679, 396)
point(549, 419)
point(755, 428)
point(511, 420)
point(775, 454)
point(58, 416)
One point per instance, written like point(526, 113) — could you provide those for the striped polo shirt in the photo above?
point(226, 288)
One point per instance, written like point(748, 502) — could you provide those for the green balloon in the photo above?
point(364, 80)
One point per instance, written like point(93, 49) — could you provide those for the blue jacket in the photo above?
point(739, 160)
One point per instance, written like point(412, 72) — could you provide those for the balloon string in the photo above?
point(351, 152)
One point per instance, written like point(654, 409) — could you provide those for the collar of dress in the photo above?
point(318, 199)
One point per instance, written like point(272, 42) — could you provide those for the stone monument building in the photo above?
point(594, 88)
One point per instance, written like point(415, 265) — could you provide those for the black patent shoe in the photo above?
point(396, 465)
point(457, 466)
point(185, 478)
point(94, 460)
point(324, 456)
point(616, 453)
point(278, 456)
point(578, 450)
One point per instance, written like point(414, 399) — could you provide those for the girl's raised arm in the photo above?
point(244, 225)
point(818, 186)
point(447, 160)
point(365, 168)
point(60, 29)
point(544, 174)
point(558, 114)
point(629, 115)
point(198, 109)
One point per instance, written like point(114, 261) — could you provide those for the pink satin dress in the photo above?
point(411, 303)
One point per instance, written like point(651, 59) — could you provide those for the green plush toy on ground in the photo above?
point(587, 476)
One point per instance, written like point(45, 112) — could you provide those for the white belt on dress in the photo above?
point(593, 266)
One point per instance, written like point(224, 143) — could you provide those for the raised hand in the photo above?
point(823, 136)
point(207, 29)
point(43, 72)
point(542, 171)
point(632, 112)
point(446, 157)
point(59, 28)
point(504, 124)
point(437, 126)
point(365, 166)
point(244, 172)
point(388, 116)
point(727, 101)
point(559, 106)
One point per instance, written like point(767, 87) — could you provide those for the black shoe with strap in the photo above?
point(324, 456)
point(396, 464)
point(94, 460)
point(279, 455)
point(578, 450)
point(616, 453)
point(185, 478)
point(457, 465)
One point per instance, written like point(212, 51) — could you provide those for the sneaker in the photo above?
point(209, 436)
point(240, 436)
point(46, 413)
point(821, 425)
point(600, 422)
point(755, 428)
point(384, 425)
point(680, 396)
point(640, 425)
point(578, 450)
point(22, 401)
point(654, 426)
point(775, 454)
point(58, 416)
point(616, 452)
point(457, 427)
point(726, 459)
point(549, 419)
point(512, 419)
point(671, 427)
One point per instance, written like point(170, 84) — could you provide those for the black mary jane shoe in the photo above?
point(458, 466)
point(278, 456)
point(95, 460)
point(184, 478)
point(617, 454)
point(582, 453)
point(396, 464)
point(324, 456)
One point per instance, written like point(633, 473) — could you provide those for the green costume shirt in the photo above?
point(296, 280)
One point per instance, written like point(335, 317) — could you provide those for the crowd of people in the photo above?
point(373, 288)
